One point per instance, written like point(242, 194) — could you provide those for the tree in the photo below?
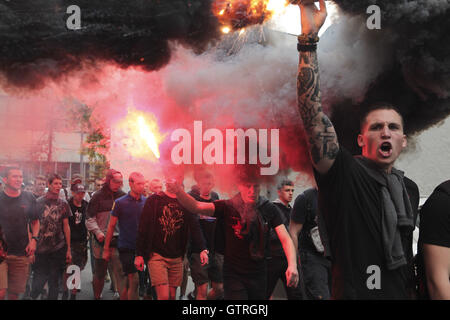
point(97, 141)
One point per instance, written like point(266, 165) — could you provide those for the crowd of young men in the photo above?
point(352, 234)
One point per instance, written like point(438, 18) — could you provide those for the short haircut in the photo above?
point(110, 174)
point(40, 177)
point(155, 181)
point(201, 174)
point(53, 177)
point(285, 182)
point(8, 170)
point(135, 175)
point(377, 106)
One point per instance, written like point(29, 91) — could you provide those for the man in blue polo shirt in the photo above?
point(127, 212)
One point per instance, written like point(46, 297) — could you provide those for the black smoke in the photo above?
point(418, 79)
point(36, 45)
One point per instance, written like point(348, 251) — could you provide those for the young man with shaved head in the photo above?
point(212, 272)
point(364, 201)
point(17, 213)
point(164, 230)
point(127, 213)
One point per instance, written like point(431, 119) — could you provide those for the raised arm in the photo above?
point(194, 206)
point(321, 135)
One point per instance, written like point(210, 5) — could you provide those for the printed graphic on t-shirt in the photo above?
point(78, 217)
point(237, 227)
point(50, 225)
point(171, 220)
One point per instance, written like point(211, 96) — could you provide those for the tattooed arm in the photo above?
point(321, 135)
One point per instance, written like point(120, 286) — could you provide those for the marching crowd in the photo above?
point(350, 237)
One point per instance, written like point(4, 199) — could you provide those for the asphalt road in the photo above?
point(86, 292)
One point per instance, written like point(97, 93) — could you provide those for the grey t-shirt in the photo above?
point(51, 212)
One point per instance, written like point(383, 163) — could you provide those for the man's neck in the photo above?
point(286, 203)
point(108, 189)
point(170, 195)
point(386, 168)
point(206, 196)
point(77, 203)
point(52, 195)
point(38, 194)
point(135, 195)
point(10, 192)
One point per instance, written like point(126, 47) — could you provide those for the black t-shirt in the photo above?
point(435, 219)
point(237, 255)
point(276, 248)
point(172, 225)
point(304, 212)
point(434, 227)
point(77, 221)
point(350, 202)
point(207, 224)
point(15, 215)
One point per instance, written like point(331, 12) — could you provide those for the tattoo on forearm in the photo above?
point(322, 137)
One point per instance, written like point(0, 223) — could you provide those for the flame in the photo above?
point(148, 136)
point(237, 14)
point(226, 30)
point(140, 134)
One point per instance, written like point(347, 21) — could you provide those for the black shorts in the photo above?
point(213, 271)
point(126, 257)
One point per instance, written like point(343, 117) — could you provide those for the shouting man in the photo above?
point(367, 211)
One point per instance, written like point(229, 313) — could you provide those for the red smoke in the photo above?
point(191, 88)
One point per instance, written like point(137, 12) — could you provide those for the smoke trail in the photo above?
point(407, 63)
point(36, 45)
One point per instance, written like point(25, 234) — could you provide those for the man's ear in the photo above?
point(360, 141)
point(405, 141)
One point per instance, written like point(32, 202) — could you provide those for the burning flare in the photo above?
point(148, 136)
point(238, 14)
point(140, 134)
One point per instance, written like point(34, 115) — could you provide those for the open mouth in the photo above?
point(385, 149)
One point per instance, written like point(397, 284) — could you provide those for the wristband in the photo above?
point(307, 39)
point(307, 43)
point(303, 48)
